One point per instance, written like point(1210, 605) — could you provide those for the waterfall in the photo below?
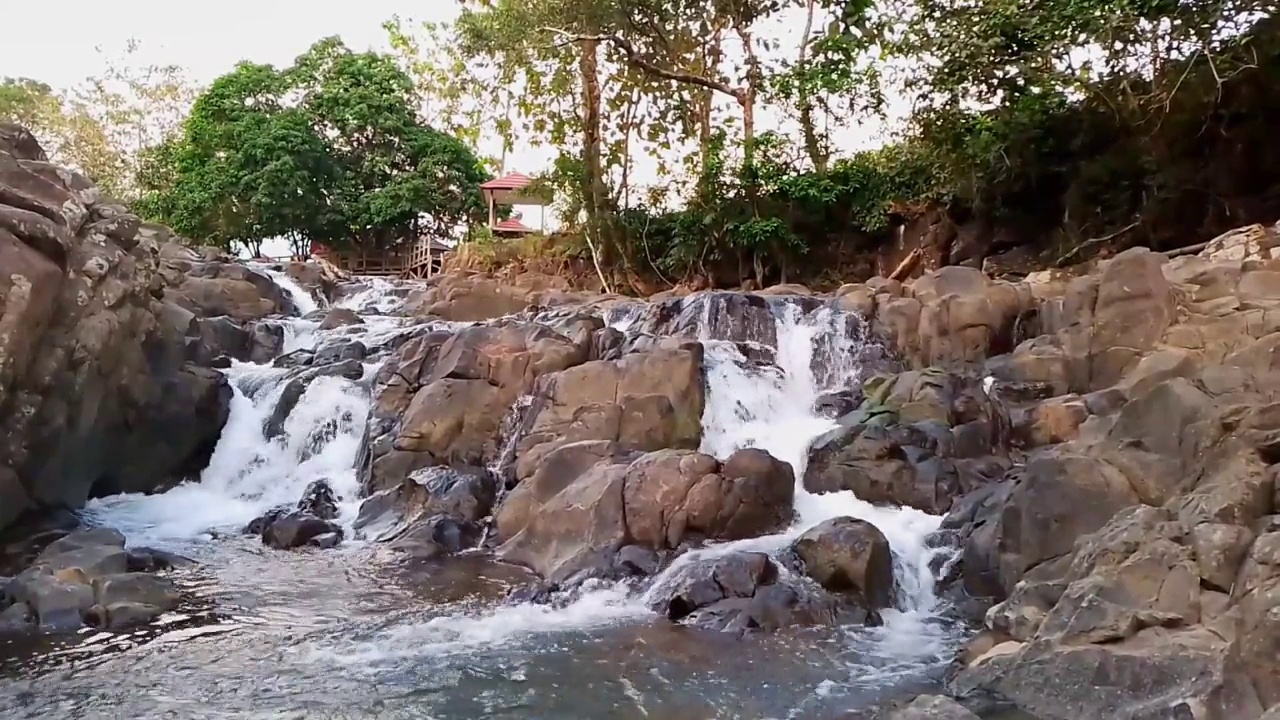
point(748, 404)
point(302, 299)
point(771, 408)
point(253, 470)
point(812, 350)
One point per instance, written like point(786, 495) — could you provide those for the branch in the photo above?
point(636, 60)
point(1079, 249)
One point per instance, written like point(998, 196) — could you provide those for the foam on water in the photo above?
point(748, 405)
point(249, 472)
point(771, 408)
point(302, 300)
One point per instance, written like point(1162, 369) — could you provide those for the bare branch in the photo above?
point(635, 59)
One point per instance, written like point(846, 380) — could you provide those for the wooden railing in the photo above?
point(417, 261)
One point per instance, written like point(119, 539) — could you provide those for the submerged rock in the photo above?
point(932, 707)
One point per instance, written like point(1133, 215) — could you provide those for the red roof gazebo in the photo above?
point(513, 189)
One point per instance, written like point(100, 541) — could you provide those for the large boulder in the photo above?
point(738, 592)
point(590, 498)
point(646, 400)
point(443, 396)
point(920, 438)
point(96, 391)
point(852, 556)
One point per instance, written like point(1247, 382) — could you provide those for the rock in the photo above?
point(837, 404)
point(122, 615)
point(648, 400)
point(738, 592)
point(319, 500)
point(16, 616)
point(921, 439)
point(671, 493)
point(340, 317)
point(95, 361)
point(266, 342)
point(135, 588)
point(297, 529)
point(588, 499)
point(443, 396)
point(437, 536)
point(57, 604)
point(932, 707)
point(463, 495)
point(470, 297)
point(144, 559)
point(849, 556)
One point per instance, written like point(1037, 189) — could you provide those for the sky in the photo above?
point(58, 42)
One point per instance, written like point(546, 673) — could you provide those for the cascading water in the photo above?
point(253, 469)
point(304, 301)
point(766, 406)
point(332, 630)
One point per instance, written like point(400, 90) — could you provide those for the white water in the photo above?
point(768, 408)
point(249, 473)
point(302, 300)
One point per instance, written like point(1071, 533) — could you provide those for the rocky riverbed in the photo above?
point(240, 489)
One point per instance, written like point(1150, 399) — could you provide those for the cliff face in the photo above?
point(97, 393)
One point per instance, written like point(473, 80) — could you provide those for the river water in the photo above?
point(357, 632)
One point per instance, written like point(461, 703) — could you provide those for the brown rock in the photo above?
point(849, 555)
point(340, 317)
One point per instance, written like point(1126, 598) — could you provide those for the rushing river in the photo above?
point(357, 632)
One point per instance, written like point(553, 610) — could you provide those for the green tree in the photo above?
point(330, 149)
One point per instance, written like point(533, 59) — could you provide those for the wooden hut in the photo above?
point(419, 260)
point(513, 189)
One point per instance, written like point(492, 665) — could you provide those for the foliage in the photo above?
point(106, 126)
point(330, 150)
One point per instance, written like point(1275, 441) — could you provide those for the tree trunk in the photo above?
point(592, 170)
point(805, 102)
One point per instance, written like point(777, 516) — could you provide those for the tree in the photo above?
point(330, 150)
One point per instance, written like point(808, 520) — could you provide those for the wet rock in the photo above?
point(319, 500)
point(739, 592)
point(297, 388)
point(932, 707)
point(847, 555)
point(145, 559)
point(298, 529)
point(16, 616)
point(837, 404)
point(266, 342)
point(122, 615)
point(444, 396)
point(340, 317)
point(338, 351)
point(590, 498)
point(135, 588)
point(58, 604)
point(465, 494)
point(921, 439)
point(220, 336)
point(638, 560)
point(437, 536)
